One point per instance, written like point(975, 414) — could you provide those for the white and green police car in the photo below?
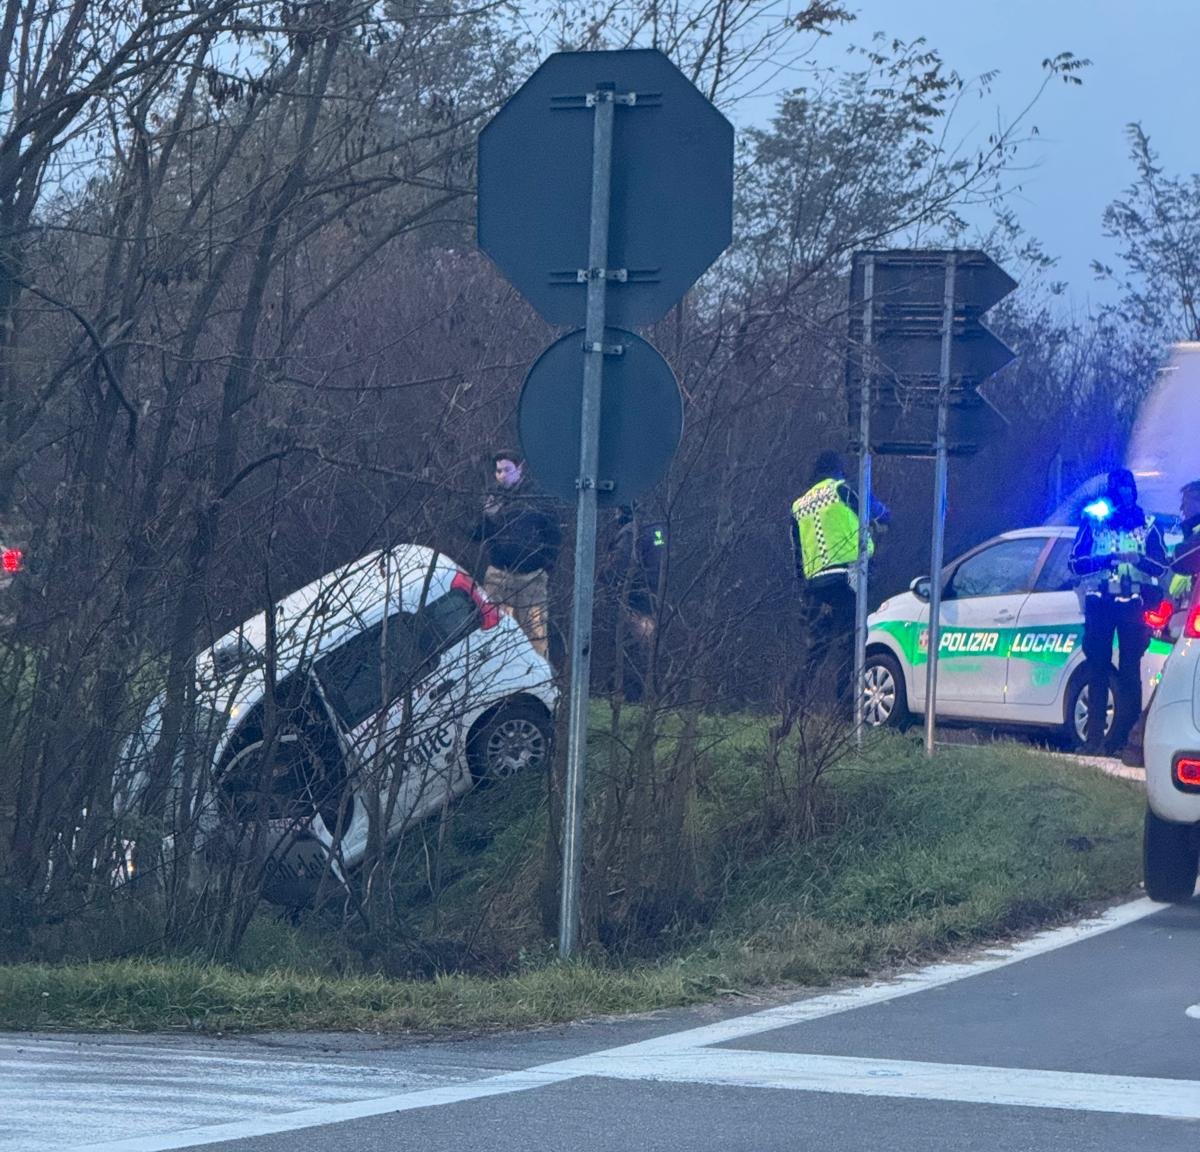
point(1011, 647)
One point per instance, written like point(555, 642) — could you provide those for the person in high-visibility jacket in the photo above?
point(1120, 558)
point(1186, 561)
point(824, 528)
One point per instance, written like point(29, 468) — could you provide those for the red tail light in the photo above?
point(1192, 627)
point(489, 614)
point(1187, 771)
point(12, 560)
point(1158, 617)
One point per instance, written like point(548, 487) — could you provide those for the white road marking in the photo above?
point(684, 1056)
point(332, 1114)
point(1193, 1011)
point(910, 1080)
point(861, 996)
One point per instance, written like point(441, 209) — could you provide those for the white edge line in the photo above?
point(934, 976)
point(332, 1114)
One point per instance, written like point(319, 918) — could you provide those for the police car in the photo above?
point(397, 686)
point(1171, 749)
point(1011, 646)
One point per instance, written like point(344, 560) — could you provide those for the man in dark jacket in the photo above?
point(520, 538)
point(1120, 557)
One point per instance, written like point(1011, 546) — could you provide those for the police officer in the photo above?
point(633, 570)
point(825, 545)
point(1119, 555)
point(1186, 561)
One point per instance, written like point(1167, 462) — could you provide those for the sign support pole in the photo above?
point(864, 506)
point(602, 102)
point(939, 508)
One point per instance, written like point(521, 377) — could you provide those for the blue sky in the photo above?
point(1144, 67)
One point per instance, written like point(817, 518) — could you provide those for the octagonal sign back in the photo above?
point(671, 207)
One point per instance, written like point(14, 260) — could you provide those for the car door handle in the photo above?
point(442, 689)
point(1005, 617)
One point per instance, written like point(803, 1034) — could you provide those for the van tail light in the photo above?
point(1159, 617)
point(1187, 771)
point(1192, 627)
point(12, 560)
point(489, 614)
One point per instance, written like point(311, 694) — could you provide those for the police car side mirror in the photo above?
point(921, 587)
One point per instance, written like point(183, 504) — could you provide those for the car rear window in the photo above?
point(448, 619)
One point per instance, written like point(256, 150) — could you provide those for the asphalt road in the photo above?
point(1083, 1038)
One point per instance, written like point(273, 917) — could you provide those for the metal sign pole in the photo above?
point(602, 101)
point(939, 508)
point(864, 505)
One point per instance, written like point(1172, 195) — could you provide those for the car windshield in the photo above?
point(1001, 570)
point(1056, 575)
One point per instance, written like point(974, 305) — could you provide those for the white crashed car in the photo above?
point(1171, 845)
point(1011, 646)
point(398, 686)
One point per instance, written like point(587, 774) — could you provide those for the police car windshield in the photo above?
point(1000, 570)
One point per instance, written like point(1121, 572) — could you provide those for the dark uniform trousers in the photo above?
point(829, 617)
point(1104, 617)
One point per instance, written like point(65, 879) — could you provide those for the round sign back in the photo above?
point(641, 418)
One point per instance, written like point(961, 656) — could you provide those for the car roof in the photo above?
point(354, 594)
point(1043, 530)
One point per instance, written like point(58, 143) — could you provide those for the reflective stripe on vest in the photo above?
point(828, 529)
point(1106, 540)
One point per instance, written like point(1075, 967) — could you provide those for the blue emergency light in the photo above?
point(1099, 509)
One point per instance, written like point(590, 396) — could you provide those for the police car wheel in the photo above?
point(885, 702)
point(1169, 860)
point(1075, 721)
point(516, 738)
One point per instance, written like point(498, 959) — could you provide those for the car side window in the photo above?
point(1001, 570)
point(1056, 574)
point(370, 670)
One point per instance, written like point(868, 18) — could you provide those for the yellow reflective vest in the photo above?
point(828, 529)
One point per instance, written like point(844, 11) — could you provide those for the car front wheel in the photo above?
point(1169, 860)
point(884, 702)
point(515, 738)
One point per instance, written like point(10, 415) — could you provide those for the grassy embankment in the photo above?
point(912, 860)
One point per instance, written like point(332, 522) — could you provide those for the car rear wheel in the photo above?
point(517, 737)
point(1074, 729)
point(885, 701)
point(1169, 860)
